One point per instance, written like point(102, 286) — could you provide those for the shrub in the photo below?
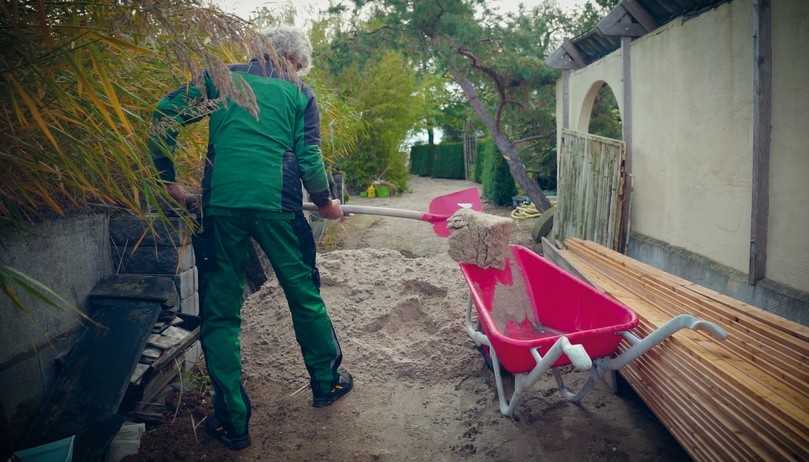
point(421, 159)
point(448, 161)
point(498, 185)
point(477, 171)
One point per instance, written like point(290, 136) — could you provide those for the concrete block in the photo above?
point(186, 282)
point(126, 231)
point(190, 305)
point(147, 259)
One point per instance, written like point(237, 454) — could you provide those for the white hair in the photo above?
point(292, 43)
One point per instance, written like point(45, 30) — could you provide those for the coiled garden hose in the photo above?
point(525, 211)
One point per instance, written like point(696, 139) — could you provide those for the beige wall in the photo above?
point(692, 137)
point(788, 245)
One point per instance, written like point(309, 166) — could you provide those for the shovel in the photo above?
point(439, 210)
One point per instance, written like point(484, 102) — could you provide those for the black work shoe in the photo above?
point(216, 430)
point(344, 385)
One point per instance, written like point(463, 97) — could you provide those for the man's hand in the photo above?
point(179, 193)
point(332, 211)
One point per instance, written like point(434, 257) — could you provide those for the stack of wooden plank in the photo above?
point(744, 398)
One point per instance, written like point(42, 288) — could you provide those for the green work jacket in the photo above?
point(254, 163)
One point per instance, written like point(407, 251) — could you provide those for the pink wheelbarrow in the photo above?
point(574, 324)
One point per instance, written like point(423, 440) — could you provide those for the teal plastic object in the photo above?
point(57, 451)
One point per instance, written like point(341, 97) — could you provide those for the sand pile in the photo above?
point(397, 318)
point(479, 238)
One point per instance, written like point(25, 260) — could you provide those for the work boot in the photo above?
point(218, 431)
point(323, 398)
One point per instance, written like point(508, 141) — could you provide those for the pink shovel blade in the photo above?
point(446, 205)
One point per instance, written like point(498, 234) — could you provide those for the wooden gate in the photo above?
point(591, 190)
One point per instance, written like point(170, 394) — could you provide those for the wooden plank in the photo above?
point(791, 328)
point(551, 252)
point(742, 399)
point(751, 340)
point(762, 128)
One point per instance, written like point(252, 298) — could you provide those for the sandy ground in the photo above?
point(421, 392)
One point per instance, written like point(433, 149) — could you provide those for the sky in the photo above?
point(307, 9)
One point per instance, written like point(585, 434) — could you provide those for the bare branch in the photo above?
point(528, 140)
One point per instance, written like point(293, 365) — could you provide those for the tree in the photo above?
point(496, 60)
point(382, 87)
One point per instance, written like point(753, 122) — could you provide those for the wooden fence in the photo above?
point(591, 189)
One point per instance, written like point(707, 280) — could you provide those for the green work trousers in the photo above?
point(222, 253)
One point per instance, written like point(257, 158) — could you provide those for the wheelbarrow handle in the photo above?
point(382, 211)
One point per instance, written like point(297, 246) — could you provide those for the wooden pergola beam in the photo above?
point(619, 22)
point(762, 130)
point(626, 121)
point(637, 11)
point(574, 53)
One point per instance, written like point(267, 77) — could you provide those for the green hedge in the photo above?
point(438, 161)
point(421, 160)
point(492, 170)
point(448, 161)
point(477, 169)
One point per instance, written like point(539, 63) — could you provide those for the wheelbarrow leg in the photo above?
point(567, 393)
point(576, 353)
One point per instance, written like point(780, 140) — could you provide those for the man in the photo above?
point(252, 189)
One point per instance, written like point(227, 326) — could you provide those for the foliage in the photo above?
point(498, 184)
point(79, 84)
point(386, 94)
point(501, 57)
point(341, 125)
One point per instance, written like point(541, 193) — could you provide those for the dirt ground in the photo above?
point(422, 392)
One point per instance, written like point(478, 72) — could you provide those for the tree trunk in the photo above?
point(505, 146)
point(430, 135)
